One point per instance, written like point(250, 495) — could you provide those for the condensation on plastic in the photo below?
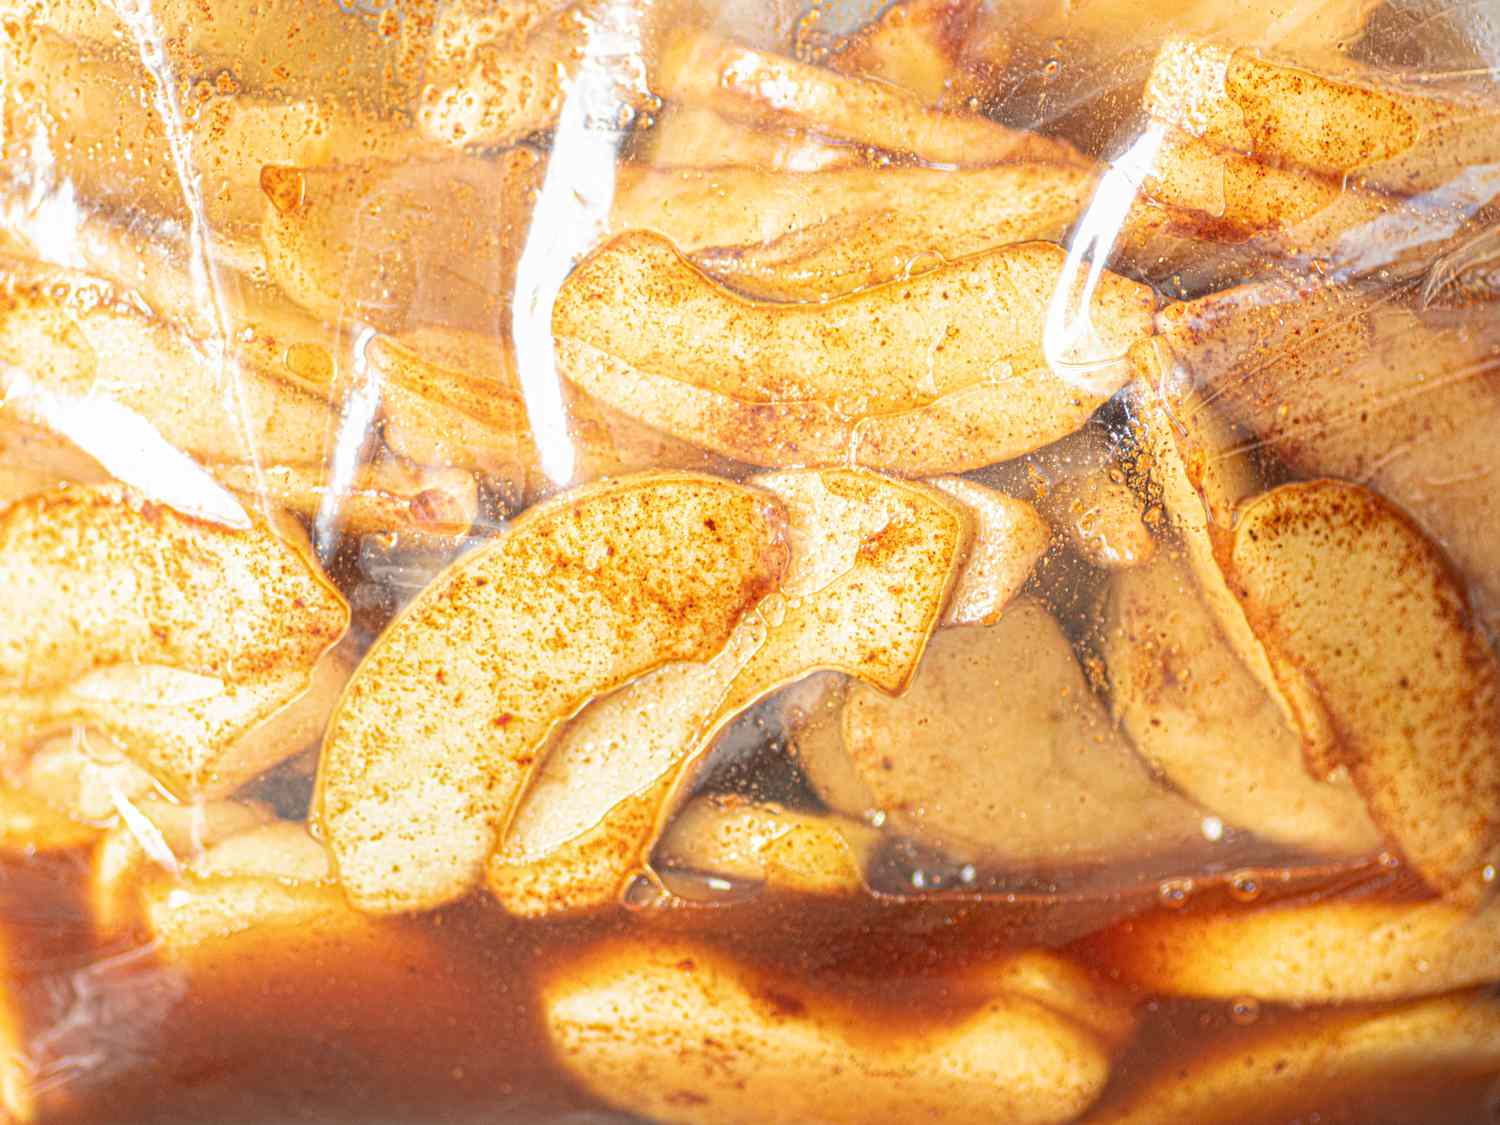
point(303, 300)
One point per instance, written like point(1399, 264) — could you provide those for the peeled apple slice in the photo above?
point(909, 376)
point(1195, 712)
point(692, 137)
point(439, 731)
point(1000, 752)
point(679, 1033)
point(1336, 383)
point(1389, 1065)
point(1348, 593)
point(918, 45)
point(1199, 471)
point(1350, 952)
point(873, 562)
point(401, 245)
point(1353, 122)
point(33, 459)
point(272, 892)
point(702, 70)
point(450, 397)
point(1009, 539)
point(99, 124)
point(233, 621)
point(737, 842)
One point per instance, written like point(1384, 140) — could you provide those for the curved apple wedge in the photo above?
point(1194, 711)
point(745, 84)
point(181, 640)
point(873, 563)
point(1348, 593)
point(1385, 1065)
point(739, 842)
point(911, 376)
point(678, 1032)
point(1000, 752)
point(442, 724)
point(1351, 952)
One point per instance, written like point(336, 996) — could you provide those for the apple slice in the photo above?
point(401, 245)
point(440, 728)
point(101, 120)
point(125, 631)
point(1353, 123)
point(702, 70)
point(33, 459)
point(1389, 1063)
point(735, 841)
point(678, 1032)
point(1351, 952)
point(1000, 752)
point(873, 562)
point(917, 45)
point(1347, 593)
point(695, 137)
point(17, 1099)
point(1009, 539)
point(1199, 470)
point(450, 397)
point(909, 376)
point(1337, 383)
point(1195, 712)
point(885, 224)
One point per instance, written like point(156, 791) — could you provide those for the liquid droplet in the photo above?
point(1244, 1010)
point(1244, 887)
point(1174, 893)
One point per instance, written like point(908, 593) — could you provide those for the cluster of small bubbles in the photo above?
point(1174, 893)
point(1244, 886)
point(1244, 1010)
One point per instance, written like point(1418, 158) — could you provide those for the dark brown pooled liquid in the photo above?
point(433, 1019)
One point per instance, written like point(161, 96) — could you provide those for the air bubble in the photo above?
point(1174, 893)
point(1244, 886)
point(1244, 1010)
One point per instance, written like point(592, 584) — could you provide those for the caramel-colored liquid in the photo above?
point(434, 1019)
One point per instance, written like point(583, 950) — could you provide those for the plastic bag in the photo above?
point(651, 560)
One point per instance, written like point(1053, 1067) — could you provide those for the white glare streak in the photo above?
point(354, 426)
point(128, 447)
point(1067, 336)
point(572, 213)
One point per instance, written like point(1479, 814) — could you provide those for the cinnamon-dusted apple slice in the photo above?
point(1354, 122)
point(1338, 383)
point(918, 45)
point(999, 752)
point(702, 70)
point(893, 223)
point(690, 137)
point(1197, 468)
point(109, 132)
point(678, 1032)
point(439, 731)
point(1386, 1065)
point(1385, 637)
point(1351, 952)
point(1195, 712)
point(495, 75)
point(873, 563)
point(1009, 538)
point(909, 376)
point(736, 841)
point(450, 397)
point(190, 644)
point(399, 245)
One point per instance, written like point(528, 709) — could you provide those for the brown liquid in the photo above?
point(433, 1019)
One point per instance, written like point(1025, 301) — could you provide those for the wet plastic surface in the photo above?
point(650, 560)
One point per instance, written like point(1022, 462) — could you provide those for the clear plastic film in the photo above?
point(651, 560)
